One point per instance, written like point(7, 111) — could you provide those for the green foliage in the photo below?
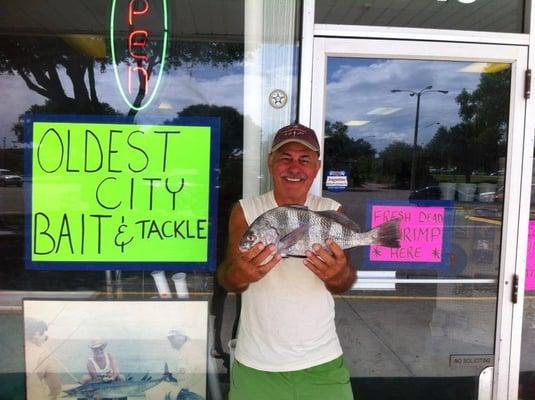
point(480, 139)
point(231, 124)
point(396, 163)
point(70, 106)
point(356, 156)
point(37, 61)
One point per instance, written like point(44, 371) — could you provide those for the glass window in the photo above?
point(57, 61)
point(473, 15)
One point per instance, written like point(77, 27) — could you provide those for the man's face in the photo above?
point(39, 338)
point(293, 168)
point(98, 351)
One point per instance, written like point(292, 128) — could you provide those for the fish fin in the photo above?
point(388, 234)
point(292, 238)
point(167, 376)
point(341, 218)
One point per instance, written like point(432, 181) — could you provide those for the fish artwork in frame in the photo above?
point(91, 349)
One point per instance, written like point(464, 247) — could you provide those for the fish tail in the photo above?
point(387, 234)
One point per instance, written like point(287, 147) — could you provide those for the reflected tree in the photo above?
point(356, 156)
point(185, 55)
point(43, 62)
point(396, 161)
point(231, 126)
point(480, 139)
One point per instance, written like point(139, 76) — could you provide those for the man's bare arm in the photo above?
point(239, 269)
point(332, 266)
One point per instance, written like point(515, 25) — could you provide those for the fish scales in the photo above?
point(295, 229)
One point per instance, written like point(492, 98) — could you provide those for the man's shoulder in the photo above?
point(259, 197)
point(254, 206)
point(258, 201)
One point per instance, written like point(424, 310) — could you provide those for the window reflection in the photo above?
point(64, 75)
point(423, 131)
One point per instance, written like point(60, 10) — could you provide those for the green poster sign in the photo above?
point(120, 193)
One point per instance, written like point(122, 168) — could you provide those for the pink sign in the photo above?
point(530, 264)
point(422, 231)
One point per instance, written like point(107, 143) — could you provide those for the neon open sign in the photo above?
point(138, 42)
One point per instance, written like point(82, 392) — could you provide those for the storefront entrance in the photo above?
point(432, 133)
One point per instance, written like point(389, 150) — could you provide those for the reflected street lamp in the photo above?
point(418, 94)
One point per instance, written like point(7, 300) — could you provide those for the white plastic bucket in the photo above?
point(467, 191)
point(447, 190)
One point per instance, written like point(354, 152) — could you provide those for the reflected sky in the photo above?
point(179, 88)
point(359, 89)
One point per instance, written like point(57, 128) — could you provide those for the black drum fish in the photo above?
point(295, 229)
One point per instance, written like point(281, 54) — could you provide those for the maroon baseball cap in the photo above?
point(295, 133)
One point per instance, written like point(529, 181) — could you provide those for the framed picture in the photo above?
point(115, 349)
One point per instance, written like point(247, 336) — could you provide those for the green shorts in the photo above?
point(328, 381)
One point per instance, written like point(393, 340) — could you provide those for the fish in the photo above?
point(294, 229)
point(185, 394)
point(118, 388)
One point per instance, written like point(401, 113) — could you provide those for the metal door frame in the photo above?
point(321, 41)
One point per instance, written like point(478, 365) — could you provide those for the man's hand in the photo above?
point(331, 267)
point(251, 265)
point(239, 269)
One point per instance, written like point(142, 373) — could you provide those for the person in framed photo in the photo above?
point(189, 368)
point(42, 369)
point(102, 365)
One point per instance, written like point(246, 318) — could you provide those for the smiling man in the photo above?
point(287, 343)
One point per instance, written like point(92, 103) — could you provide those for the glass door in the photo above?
point(430, 133)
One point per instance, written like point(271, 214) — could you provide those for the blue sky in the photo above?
point(356, 86)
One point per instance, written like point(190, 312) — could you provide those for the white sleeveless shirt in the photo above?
point(104, 372)
point(287, 317)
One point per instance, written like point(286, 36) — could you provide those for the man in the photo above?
point(287, 343)
point(42, 378)
point(190, 369)
point(102, 366)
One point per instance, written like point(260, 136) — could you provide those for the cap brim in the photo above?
point(294, 140)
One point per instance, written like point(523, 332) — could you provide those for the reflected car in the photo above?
point(8, 178)
point(434, 193)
